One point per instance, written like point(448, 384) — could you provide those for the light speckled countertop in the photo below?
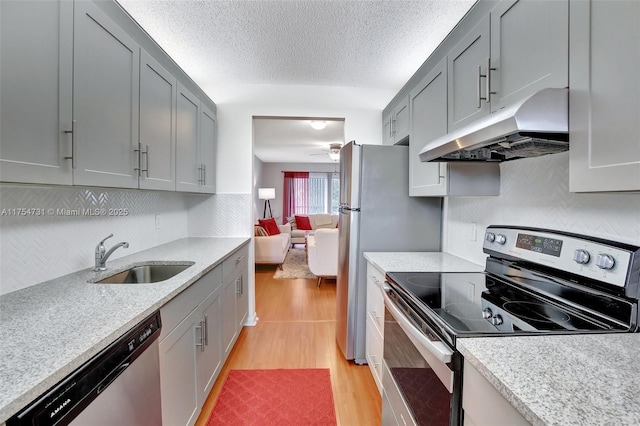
point(420, 262)
point(50, 329)
point(563, 380)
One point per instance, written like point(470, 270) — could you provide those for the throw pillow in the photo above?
point(303, 223)
point(259, 231)
point(292, 222)
point(270, 226)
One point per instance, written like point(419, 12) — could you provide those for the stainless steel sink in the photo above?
point(145, 274)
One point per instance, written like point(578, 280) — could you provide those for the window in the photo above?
point(311, 193)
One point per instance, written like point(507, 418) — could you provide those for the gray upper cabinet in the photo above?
point(395, 124)
point(158, 89)
point(428, 106)
point(519, 48)
point(188, 166)
point(529, 42)
point(105, 100)
point(207, 149)
point(35, 100)
point(467, 66)
point(604, 115)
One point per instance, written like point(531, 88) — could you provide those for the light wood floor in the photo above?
point(296, 329)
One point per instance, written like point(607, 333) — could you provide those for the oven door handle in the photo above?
point(438, 349)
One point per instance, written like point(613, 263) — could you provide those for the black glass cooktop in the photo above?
point(471, 304)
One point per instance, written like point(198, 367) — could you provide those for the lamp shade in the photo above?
point(266, 193)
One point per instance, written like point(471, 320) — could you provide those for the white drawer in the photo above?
point(374, 353)
point(235, 262)
point(375, 301)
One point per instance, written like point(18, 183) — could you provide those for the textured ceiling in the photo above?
point(369, 44)
point(295, 140)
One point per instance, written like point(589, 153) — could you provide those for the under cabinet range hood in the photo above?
point(537, 125)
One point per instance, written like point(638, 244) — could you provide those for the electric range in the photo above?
point(536, 281)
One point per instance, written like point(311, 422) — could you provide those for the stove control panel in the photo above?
point(598, 260)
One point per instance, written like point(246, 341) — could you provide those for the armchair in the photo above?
point(322, 252)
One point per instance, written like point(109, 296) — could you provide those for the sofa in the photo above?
point(272, 249)
point(317, 221)
point(322, 253)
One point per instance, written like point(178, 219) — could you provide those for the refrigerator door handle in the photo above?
point(349, 209)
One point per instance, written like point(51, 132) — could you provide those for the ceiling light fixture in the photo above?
point(318, 125)
point(334, 151)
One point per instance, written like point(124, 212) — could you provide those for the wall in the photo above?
point(63, 239)
point(272, 177)
point(237, 105)
point(535, 192)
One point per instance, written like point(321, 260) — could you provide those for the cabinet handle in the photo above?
point(137, 152)
point(201, 344)
point(200, 174)
point(393, 125)
point(204, 174)
point(238, 260)
point(72, 157)
point(239, 289)
point(480, 97)
point(205, 330)
point(489, 92)
point(146, 156)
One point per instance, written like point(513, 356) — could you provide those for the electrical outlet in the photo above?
point(473, 231)
point(157, 221)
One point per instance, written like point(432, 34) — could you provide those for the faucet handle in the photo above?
point(105, 239)
point(100, 247)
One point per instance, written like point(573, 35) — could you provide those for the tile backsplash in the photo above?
point(535, 192)
point(47, 231)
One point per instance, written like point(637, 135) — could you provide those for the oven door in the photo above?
point(421, 376)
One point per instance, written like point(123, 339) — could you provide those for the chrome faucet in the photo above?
point(102, 255)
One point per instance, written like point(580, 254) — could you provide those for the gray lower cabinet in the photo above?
point(35, 100)
point(604, 98)
point(234, 297)
point(190, 349)
point(106, 94)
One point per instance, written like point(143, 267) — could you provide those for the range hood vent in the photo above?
point(538, 125)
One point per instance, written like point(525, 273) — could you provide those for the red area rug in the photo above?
point(275, 397)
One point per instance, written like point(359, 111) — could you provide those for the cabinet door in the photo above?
point(105, 100)
point(208, 145)
point(467, 70)
point(604, 96)
point(209, 359)
point(428, 121)
point(188, 168)
point(401, 121)
point(229, 325)
point(242, 297)
point(529, 49)
point(36, 42)
point(178, 373)
point(157, 125)
point(387, 129)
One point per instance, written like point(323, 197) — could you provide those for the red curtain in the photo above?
point(296, 194)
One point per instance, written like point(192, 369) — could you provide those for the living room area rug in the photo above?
point(282, 397)
point(294, 266)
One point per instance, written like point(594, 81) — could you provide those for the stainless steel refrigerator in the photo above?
point(376, 214)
